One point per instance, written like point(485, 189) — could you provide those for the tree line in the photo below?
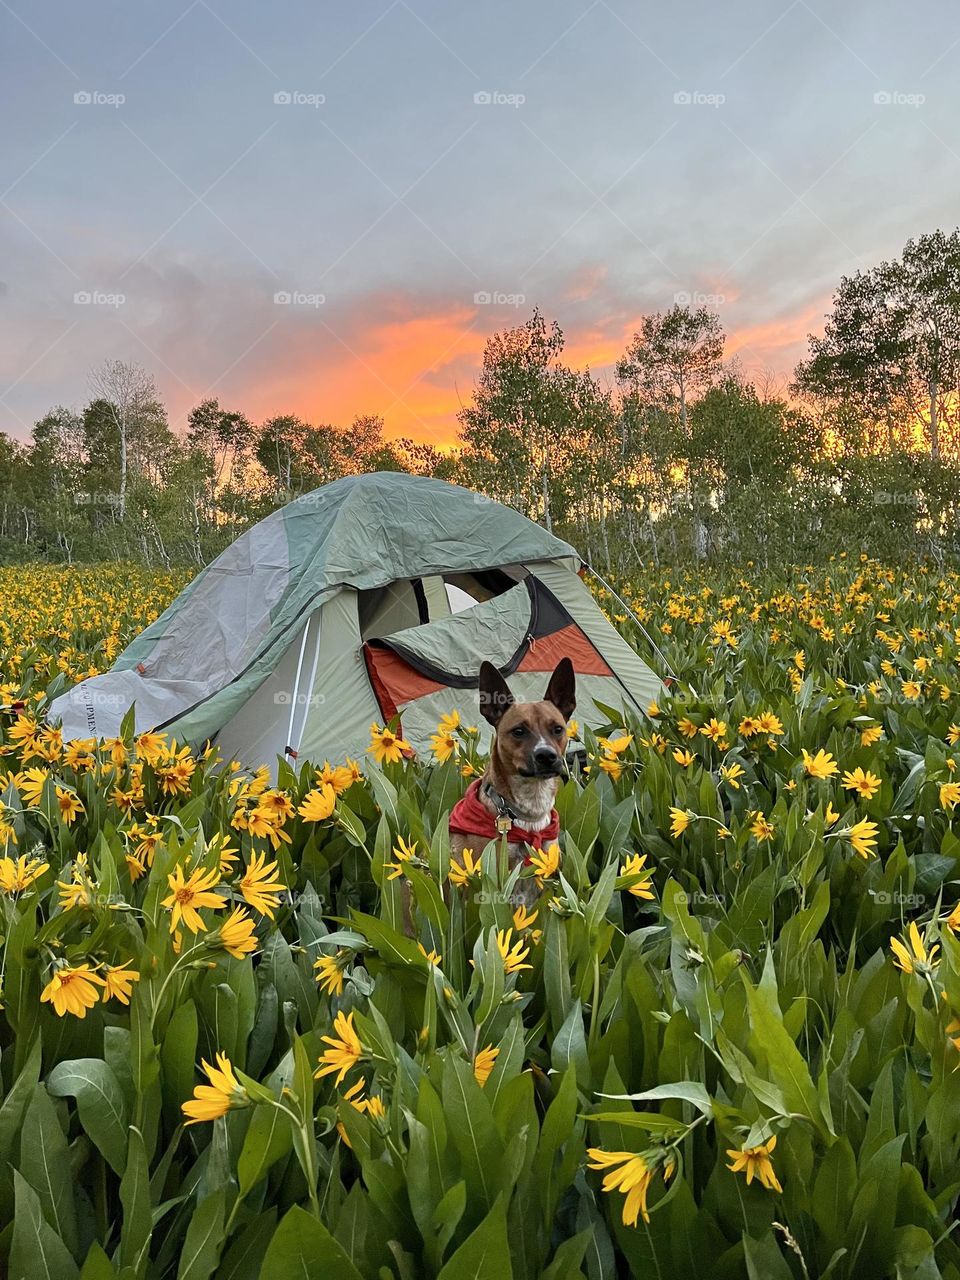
point(676, 457)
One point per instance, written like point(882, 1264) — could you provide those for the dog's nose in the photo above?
point(545, 757)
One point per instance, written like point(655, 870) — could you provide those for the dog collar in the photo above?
point(506, 817)
point(493, 816)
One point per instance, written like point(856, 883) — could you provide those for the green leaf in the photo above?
point(245, 1256)
point(389, 944)
point(178, 1056)
point(833, 1191)
point(764, 1259)
point(447, 1215)
point(684, 1090)
point(201, 1248)
point(45, 1163)
point(303, 1247)
point(137, 1214)
point(489, 964)
point(97, 1265)
point(649, 1121)
point(36, 1250)
point(471, 1126)
point(100, 1103)
point(568, 1257)
point(782, 1059)
point(556, 969)
point(596, 908)
point(559, 1127)
point(485, 1254)
point(15, 1103)
point(269, 1137)
point(570, 1046)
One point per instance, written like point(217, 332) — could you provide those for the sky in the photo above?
point(326, 209)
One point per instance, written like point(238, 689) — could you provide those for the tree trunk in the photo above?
point(934, 421)
point(545, 483)
point(122, 425)
point(653, 538)
point(604, 533)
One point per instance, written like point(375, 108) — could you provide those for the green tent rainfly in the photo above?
point(375, 596)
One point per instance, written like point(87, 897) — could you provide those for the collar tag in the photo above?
point(504, 824)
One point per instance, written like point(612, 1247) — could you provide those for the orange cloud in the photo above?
point(778, 344)
point(411, 369)
point(415, 364)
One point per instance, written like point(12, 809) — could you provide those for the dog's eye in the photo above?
point(519, 731)
point(557, 730)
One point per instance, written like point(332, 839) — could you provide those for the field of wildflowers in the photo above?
point(722, 1043)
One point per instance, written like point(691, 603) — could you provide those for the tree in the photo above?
point(130, 398)
point(891, 345)
point(862, 358)
point(57, 462)
point(515, 424)
point(673, 355)
point(925, 285)
point(224, 436)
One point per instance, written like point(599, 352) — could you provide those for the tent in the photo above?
point(372, 597)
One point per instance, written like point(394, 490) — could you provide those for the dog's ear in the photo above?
point(561, 690)
point(495, 695)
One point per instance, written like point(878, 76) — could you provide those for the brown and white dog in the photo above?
point(515, 794)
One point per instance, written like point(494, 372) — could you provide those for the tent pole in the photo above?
point(643, 631)
point(313, 676)
point(296, 688)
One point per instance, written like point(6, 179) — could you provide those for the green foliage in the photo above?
point(460, 1087)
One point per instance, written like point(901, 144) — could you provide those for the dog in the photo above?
point(515, 795)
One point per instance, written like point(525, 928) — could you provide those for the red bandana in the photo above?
point(470, 817)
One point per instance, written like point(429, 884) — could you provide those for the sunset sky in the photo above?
point(388, 165)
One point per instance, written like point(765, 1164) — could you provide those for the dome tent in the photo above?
point(335, 612)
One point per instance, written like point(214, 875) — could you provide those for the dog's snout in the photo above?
point(545, 757)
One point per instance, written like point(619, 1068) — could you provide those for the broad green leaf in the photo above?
point(136, 1202)
point(45, 1163)
point(764, 1259)
point(485, 1254)
point(447, 1215)
point(244, 1258)
point(302, 1246)
point(566, 1261)
point(570, 1046)
point(36, 1251)
point(97, 1266)
point(269, 1137)
point(204, 1239)
point(471, 1127)
point(683, 1090)
point(100, 1104)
